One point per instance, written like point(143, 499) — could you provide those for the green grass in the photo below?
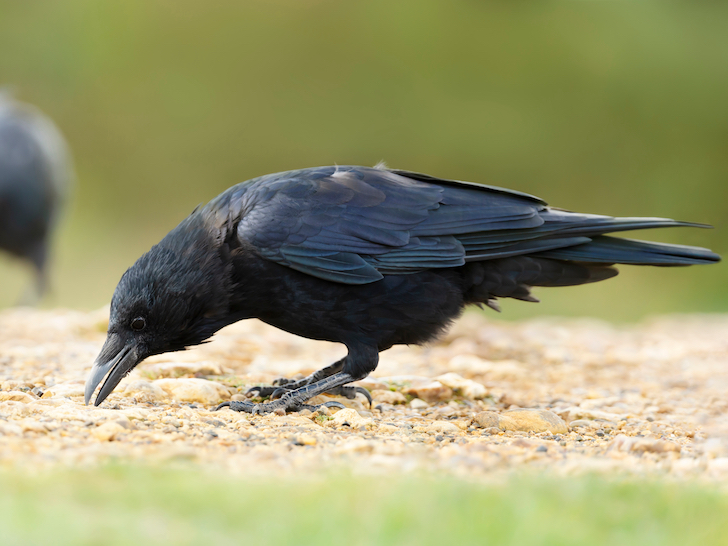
point(152, 506)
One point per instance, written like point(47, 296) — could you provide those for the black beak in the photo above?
point(117, 358)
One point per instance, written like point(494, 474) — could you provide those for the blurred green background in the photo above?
point(612, 107)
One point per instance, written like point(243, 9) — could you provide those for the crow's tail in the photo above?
point(587, 262)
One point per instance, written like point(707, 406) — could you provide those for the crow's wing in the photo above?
point(352, 224)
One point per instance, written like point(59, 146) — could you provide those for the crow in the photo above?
point(35, 176)
point(367, 257)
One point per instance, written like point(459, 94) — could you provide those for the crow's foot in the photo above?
point(275, 406)
point(295, 400)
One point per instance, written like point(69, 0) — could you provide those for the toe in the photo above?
point(260, 392)
point(280, 391)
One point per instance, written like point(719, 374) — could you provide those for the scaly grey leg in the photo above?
point(282, 385)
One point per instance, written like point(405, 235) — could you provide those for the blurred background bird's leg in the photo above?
point(37, 288)
point(34, 292)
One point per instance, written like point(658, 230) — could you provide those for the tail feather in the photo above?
point(567, 249)
point(611, 250)
point(561, 231)
point(600, 225)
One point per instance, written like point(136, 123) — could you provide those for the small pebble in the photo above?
point(431, 392)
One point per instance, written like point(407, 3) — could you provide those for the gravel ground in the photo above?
point(556, 396)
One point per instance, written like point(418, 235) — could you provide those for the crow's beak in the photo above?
point(117, 358)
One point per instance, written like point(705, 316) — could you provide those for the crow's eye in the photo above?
point(138, 323)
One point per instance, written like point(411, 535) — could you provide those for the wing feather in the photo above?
point(352, 225)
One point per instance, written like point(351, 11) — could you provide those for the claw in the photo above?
point(223, 405)
point(365, 393)
point(350, 392)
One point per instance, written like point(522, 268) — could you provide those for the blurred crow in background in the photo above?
point(367, 257)
point(35, 175)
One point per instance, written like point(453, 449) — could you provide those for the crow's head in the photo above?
point(174, 296)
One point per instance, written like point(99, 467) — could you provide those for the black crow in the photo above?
point(367, 257)
point(35, 174)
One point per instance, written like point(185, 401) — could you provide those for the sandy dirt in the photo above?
point(646, 399)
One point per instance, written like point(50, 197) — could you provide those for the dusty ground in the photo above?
point(647, 399)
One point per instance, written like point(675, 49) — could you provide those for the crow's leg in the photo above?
point(34, 292)
point(357, 365)
point(315, 376)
